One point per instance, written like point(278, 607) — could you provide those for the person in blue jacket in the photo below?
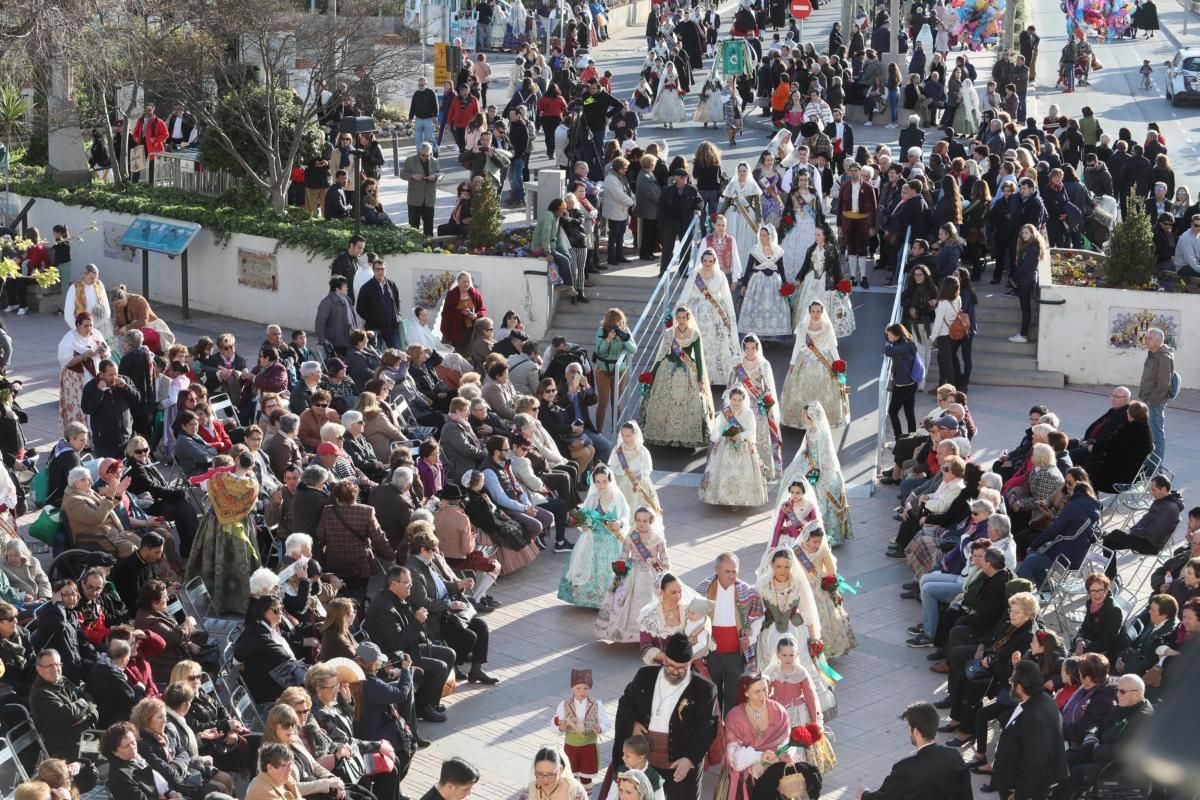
point(1069, 535)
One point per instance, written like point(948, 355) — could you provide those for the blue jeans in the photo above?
point(392, 339)
point(1158, 430)
point(893, 98)
point(602, 445)
point(516, 179)
point(423, 132)
point(937, 588)
point(712, 197)
point(1034, 568)
point(1021, 105)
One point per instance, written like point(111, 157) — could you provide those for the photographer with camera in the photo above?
point(613, 340)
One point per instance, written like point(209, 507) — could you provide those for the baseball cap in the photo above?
point(330, 449)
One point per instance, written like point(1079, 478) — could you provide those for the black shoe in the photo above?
point(950, 727)
point(477, 675)
point(916, 630)
point(853, 281)
point(866, 284)
point(540, 539)
point(910, 595)
point(911, 585)
point(431, 714)
point(987, 788)
point(563, 546)
point(459, 675)
point(423, 743)
point(894, 553)
point(937, 655)
point(946, 703)
point(582, 297)
point(492, 602)
point(919, 641)
point(481, 607)
point(602, 267)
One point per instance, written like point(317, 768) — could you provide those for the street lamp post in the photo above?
point(356, 126)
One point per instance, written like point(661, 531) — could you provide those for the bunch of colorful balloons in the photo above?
point(1107, 18)
point(979, 22)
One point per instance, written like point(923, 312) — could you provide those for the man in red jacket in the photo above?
point(463, 109)
point(152, 132)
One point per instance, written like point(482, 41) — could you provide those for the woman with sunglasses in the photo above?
point(310, 777)
point(460, 216)
point(219, 733)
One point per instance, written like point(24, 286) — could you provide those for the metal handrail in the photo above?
point(885, 369)
point(645, 332)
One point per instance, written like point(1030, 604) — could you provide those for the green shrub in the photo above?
point(1131, 249)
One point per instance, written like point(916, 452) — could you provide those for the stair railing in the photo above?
point(647, 331)
point(885, 369)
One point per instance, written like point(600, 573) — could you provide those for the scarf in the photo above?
point(81, 294)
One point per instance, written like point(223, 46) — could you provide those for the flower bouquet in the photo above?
point(620, 568)
point(732, 432)
point(815, 647)
point(802, 736)
point(766, 403)
point(788, 292)
point(843, 286)
point(668, 321)
point(829, 583)
point(839, 369)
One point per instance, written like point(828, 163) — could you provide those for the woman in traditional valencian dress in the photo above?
point(733, 475)
point(707, 294)
point(790, 608)
point(802, 216)
point(678, 403)
point(764, 310)
point(79, 354)
point(668, 106)
point(813, 374)
point(644, 555)
point(604, 523)
point(772, 197)
point(725, 246)
point(794, 687)
point(820, 567)
point(796, 516)
point(665, 615)
point(754, 729)
point(753, 373)
point(740, 205)
point(780, 146)
point(632, 467)
point(818, 280)
point(817, 462)
point(224, 552)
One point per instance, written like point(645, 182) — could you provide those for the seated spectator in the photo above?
point(985, 610)
point(129, 774)
point(1091, 703)
point(311, 498)
point(1168, 673)
point(578, 395)
point(143, 646)
point(64, 457)
point(27, 580)
point(544, 448)
point(430, 470)
point(267, 662)
point(271, 373)
point(381, 715)
point(499, 392)
point(567, 430)
point(362, 360)
point(1008, 462)
point(484, 421)
point(170, 501)
point(89, 516)
point(460, 446)
point(1142, 652)
point(379, 427)
point(193, 455)
point(508, 493)
point(1103, 626)
point(516, 546)
point(359, 448)
point(1104, 427)
point(17, 656)
point(1030, 757)
point(306, 773)
point(1188, 584)
point(423, 365)
point(1150, 534)
point(543, 496)
point(60, 710)
point(302, 391)
point(1069, 535)
point(340, 385)
point(1119, 459)
point(1099, 748)
point(58, 628)
point(183, 639)
point(134, 571)
point(274, 780)
point(1037, 489)
point(336, 639)
point(316, 415)
point(352, 540)
point(212, 430)
point(303, 585)
point(220, 734)
point(331, 456)
point(101, 608)
point(283, 448)
point(394, 503)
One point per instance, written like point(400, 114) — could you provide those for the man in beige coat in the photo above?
point(422, 173)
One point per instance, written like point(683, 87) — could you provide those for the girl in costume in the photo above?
point(818, 279)
point(740, 203)
point(753, 373)
point(79, 354)
point(764, 310)
point(797, 515)
point(790, 608)
point(707, 293)
point(820, 567)
point(725, 246)
point(603, 519)
point(802, 216)
point(224, 552)
point(632, 467)
point(668, 106)
point(644, 556)
point(642, 101)
point(733, 475)
point(678, 402)
point(816, 371)
point(772, 197)
point(794, 687)
point(711, 108)
point(817, 462)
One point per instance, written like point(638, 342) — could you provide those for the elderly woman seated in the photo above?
point(936, 500)
point(166, 751)
point(314, 417)
point(359, 449)
point(1103, 626)
point(183, 639)
point(306, 773)
point(88, 515)
point(193, 455)
point(220, 734)
point(352, 540)
point(379, 426)
point(268, 664)
point(28, 585)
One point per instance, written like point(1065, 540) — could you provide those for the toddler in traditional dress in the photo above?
point(699, 626)
point(582, 720)
point(635, 754)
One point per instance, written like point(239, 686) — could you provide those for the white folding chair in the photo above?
point(244, 707)
point(224, 409)
point(12, 774)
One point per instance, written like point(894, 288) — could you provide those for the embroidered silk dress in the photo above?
point(805, 210)
point(817, 462)
point(668, 106)
point(818, 280)
point(793, 521)
point(772, 198)
point(632, 469)
point(836, 631)
point(677, 406)
point(746, 739)
point(646, 560)
point(589, 573)
point(758, 379)
point(709, 297)
point(795, 690)
point(224, 552)
point(733, 475)
point(740, 205)
point(765, 311)
point(811, 376)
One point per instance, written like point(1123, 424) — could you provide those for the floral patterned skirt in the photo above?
point(808, 380)
point(674, 413)
point(733, 475)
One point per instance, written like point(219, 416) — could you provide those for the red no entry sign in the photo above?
point(801, 8)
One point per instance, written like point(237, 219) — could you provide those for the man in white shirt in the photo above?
point(737, 618)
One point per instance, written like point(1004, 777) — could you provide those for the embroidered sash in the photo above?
point(827, 364)
point(804, 560)
point(745, 214)
point(703, 287)
point(687, 361)
point(839, 507)
point(772, 423)
point(638, 483)
point(635, 538)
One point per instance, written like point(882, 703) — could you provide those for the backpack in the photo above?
point(918, 368)
point(960, 328)
point(1176, 385)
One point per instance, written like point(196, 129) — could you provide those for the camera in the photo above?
point(623, 334)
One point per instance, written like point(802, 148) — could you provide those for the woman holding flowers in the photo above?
point(633, 467)
point(741, 204)
point(765, 309)
point(790, 608)
point(817, 462)
point(817, 372)
point(796, 516)
point(733, 475)
point(772, 197)
point(755, 730)
point(643, 561)
point(820, 568)
point(668, 106)
point(802, 215)
point(603, 520)
point(709, 295)
point(753, 373)
point(794, 686)
point(821, 279)
point(678, 401)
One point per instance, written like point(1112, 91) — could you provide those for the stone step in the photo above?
point(1000, 344)
point(582, 315)
point(1007, 361)
point(995, 376)
point(1001, 314)
point(585, 337)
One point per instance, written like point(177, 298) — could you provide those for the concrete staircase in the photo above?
point(627, 287)
point(997, 361)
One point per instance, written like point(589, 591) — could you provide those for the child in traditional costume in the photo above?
point(582, 721)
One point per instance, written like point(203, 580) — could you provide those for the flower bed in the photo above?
point(1086, 268)
point(513, 243)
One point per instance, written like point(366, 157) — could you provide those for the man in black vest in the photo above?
point(676, 709)
point(678, 204)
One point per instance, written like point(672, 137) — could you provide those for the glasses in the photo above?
point(552, 390)
point(1099, 591)
point(141, 451)
point(320, 405)
point(546, 776)
point(304, 710)
point(946, 469)
point(1127, 691)
point(196, 678)
point(8, 619)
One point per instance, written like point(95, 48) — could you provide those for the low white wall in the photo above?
point(302, 281)
point(1077, 338)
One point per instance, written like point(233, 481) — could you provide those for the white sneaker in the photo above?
point(1017, 339)
point(891, 124)
point(869, 123)
point(13, 307)
point(22, 312)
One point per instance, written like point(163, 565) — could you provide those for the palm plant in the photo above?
point(13, 109)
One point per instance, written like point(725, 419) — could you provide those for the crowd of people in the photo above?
point(354, 500)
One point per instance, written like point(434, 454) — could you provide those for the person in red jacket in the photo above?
point(212, 430)
point(151, 132)
point(146, 645)
point(463, 109)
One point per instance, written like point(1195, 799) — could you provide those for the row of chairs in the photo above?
point(22, 750)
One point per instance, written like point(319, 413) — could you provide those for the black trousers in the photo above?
point(184, 516)
point(434, 661)
point(726, 670)
point(616, 238)
point(903, 397)
point(947, 369)
point(1120, 540)
point(649, 234)
point(1026, 298)
point(421, 217)
point(558, 507)
point(668, 231)
point(468, 639)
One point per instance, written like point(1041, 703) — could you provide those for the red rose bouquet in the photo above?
point(802, 736)
point(839, 366)
point(620, 568)
point(787, 290)
point(844, 286)
point(646, 378)
point(829, 583)
point(815, 647)
point(732, 431)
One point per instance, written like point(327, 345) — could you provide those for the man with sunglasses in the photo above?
point(1187, 250)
